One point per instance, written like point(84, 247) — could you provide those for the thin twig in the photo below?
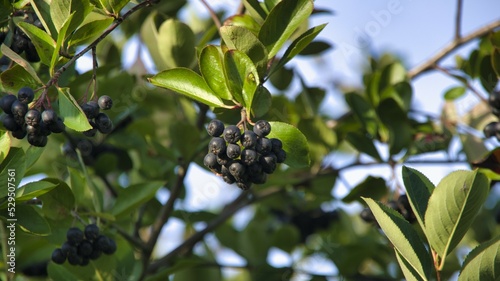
point(133, 240)
point(458, 20)
point(467, 84)
point(429, 64)
point(212, 14)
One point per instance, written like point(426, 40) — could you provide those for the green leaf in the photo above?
point(403, 237)
point(372, 187)
point(396, 120)
point(12, 170)
point(60, 11)
point(363, 144)
point(34, 189)
point(6, 51)
point(32, 155)
point(261, 102)
point(315, 48)
point(495, 60)
point(298, 45)
point(495, 39)
point(44, 44)
point(452, 208)
point(241, 39)
point(117, 5)
point(42, 10)
point(482, 263)
point(241, 76)
point(71, 112)
point(30, 220)
point(177, 43)
point(408, 271)
point(294, 143)
point(245, 21)
point(5, 143)
point(212, 69)
point(255, 10)
point(58, 203)
point(487, 74)
point(282, 21)
point(255, 253)
point(60, 40)
point(454, 93)
point(392, 74)
point(363, 111)
point(418, 189)
point(286, 237)
point(149, 35)
point(187, 82)
point(89, 31)
point(133, 196)
point(17, 77)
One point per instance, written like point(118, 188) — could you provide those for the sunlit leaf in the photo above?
point(242, 76)
point(212, 69)
point(73, 116)
point(482, 263)
point(294, 143)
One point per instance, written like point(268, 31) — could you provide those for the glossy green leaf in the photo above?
point(403, 237)
point(89, 31)
point(315, 48)
point(408, 271)
point(372, 187)
point(241, 76)
point(452, 208)
point(418, 189)
point(30, 220)
point(454, 93)
point(363, 144)
point(59, 202)
point(42, 10)
point(396, 120)
point(487, 74)
point(482, 263)
point(5, 143)
point(60, 11)
point(212, 69)
point(401, 92)
point(44, 44)
point(262, 101)
point(298, 45)
point(177, 43)
point(61, 36)
point(187, 82)
point(149, 35)
point(133, 196)
point(245, 21)
point(392, 74)
point(70, 111)
point(363, 111)
point(12, 170)
point(294, 143)
point(34, 189)
point(17, 77)
point(282, 21)
point(255, 10)
point(117, 5)
point(6, 51)
point(33, 153)
point(242, 39)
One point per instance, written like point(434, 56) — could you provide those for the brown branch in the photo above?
point(458, 20)
point(429, 64)
point(185, 247)
point(212, 14)
point(467, 84)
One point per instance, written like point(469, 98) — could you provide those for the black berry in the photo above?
point(103, 123)
point(74, 236)
point(85, 248)
point(210, 161)
point(91, 231)
point(215, 128)
point(10, 123)
point(6, 103)
point(268, 163)
point(233, 151)
point(264, 145)
point(217, 146)
point(25, 95)
point(232, 134)
point(262, 128)
point(105, 102)
point(249, 139)
point(491, 129)
point(49, 116)
point(58, 256)
point(32, 117)
point(249, 156)
point(91, 109)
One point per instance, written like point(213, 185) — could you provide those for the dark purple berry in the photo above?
point(58, 256)
point(49, 116)
point(31, 53)
point(262, 128)
point(264, 146)
point(25, 95)
point(233, 151)
point(277, 145)
point(10, 123)
point(106, 244)
point(74, 259)
point(18, 110)
point(217, 146)
point(494, 99)
point(215, 128)
point(237, 170)
point(85, 248)
point(32, 117)
point(249, 156)
point(210, 161)
point(268, 163)
point(68, 249)
point(91, 109)
point(249, 139)
point(6, 103)
point(74, 236)
point(105, 102)
point(244, 185)
point(280, 156)
point(19, 134)
point(103, 123)
point(232, 134)
point(37, 140)
point(91, 231)
point(57, 127)
point(491, 129)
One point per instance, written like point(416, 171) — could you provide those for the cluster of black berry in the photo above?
point(98, 120)
point(21, 42)
point(23, 122)
point(493, 128)
point(243, 158)
point(402, 206)
point(83, 246)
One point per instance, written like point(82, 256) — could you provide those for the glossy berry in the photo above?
point(49, 116)
point(223, 159)
point(10, 123)
point(58, 256)
point(74, 236)
point(32, 117)
point(19, 109)
point(210, 161)
point(68, 249)
point(233, 151)
point(6, 103)
point(103, 123)
point(268, 163)
point(237, 170)
point(491, 129)
point(91, 109)
point(494, 99)
point(264, 145)
point(74, 259)
point(19, 134)
point(217, 146)
point(85, 248)
point(249, 156)
point(232, 134)
point(249, 139)
point(37, 140)
point(106, 244)
point(277, 145)
point(58, 126)
point(91, 231)
point(25, 95)
point(280, 156)
point(215, 128)
point(105, 102)
point(262, 128)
